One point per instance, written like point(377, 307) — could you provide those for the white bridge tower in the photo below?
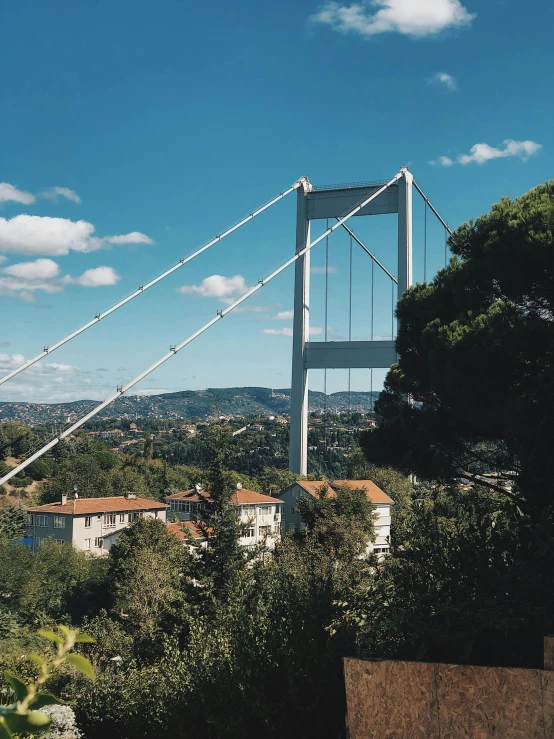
point(306, 355)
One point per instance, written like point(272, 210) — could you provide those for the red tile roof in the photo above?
point(373, 493)
point(177, 530)
point(239, 497)
point(99, 505)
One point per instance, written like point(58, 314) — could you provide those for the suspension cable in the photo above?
point(364, 247)
point(425, 245)
point(176, 349)
point(372, 307)
point(325, 334)
point(430, 204)
point(99, 316)
point(445, 248)
point(350, 339)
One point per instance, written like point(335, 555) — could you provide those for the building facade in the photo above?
point(292, 520)
point(90, 524)
point(262, 513)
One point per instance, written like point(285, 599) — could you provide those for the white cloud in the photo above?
point(133, 238)
point(217, 286)
point(22, 280)
point(416, 18)
point(481, 153)
point(321, 270)
point(33, 235)
point(316, 331)
point(53, 193)
point(276, 331)
point(40, 269)
point(284, 315)
point(51, 383)
point(97, 277)
point(445, 79)
point(12, 193)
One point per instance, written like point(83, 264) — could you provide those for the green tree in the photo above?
point(12, 522)
point(146, 568)
point(472, 392)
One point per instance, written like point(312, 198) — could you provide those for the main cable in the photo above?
point(175, 349)
point(142, 288)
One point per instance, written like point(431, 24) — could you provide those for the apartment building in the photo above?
point(292, 521)
point(90, 524)
point(261, 512)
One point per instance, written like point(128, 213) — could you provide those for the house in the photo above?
point(261, 512)
point(184, 531)
point(113, 434)
point(90, 524)
point(292, 521)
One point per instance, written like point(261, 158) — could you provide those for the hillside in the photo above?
point(236, 401)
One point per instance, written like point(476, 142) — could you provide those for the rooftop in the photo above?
point(177, 530)
point(239, 497)
point(83, 506)
point(373, 493)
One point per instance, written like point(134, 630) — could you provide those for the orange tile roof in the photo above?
point(99, 505)
point(239, 497)
point(177, 530)
point(373, 493)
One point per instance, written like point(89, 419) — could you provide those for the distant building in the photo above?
point(90, 524)
point(134, 429)
point(261, 512)
point(112, 434)
point(292, 520)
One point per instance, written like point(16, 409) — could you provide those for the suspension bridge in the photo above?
point(335, 205)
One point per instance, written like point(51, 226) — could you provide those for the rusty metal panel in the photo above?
point(391, 700)
point(548, 703)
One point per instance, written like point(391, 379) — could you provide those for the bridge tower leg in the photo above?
point(298, 451)
point(306, 355)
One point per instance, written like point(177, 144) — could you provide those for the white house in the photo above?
point(90, 524)
point(292, 521)
point(261, 512)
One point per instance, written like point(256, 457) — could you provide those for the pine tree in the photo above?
point(12, 522)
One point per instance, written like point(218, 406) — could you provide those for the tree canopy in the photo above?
point(472, 393)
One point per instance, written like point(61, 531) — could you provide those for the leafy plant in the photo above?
point(23, 716)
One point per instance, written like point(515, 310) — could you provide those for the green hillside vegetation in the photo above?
point(243, 401)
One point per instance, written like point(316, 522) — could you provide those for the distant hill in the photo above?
point(235, 401)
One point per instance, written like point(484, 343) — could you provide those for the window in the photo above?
point(59, 522)
point(88, 522)
point(276, 527)
point(381, 550)
point(265, 509)
point(121, 518)
point(293, 510)
point(99, 542)
point(59, 541)
point(109, 520)
point(155, 514)
point(134, 516)
point(250, 533)
point(264, 530)
point(38, 542)
point(42, 520)
point(29, 519)
point(86, 544)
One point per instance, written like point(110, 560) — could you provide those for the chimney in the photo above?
point(198, 488)
point(239, 486)
point(64, 498)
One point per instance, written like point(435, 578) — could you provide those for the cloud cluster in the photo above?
point(24, 279)
point(54, 237)
point(417, 18)
point(217, 286)
point(481, 153)
point(286, 331)
point(11, 193)
point(50, 383)
point(54, 193)
point(444, 79)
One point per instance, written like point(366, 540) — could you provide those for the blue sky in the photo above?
point(147, 128)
